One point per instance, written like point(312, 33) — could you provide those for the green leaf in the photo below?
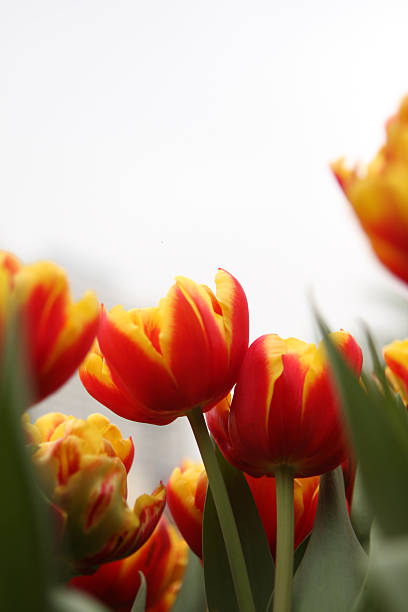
point(331, 573)
point(191, 596)
point(70, 600)
point(378, 425)
point(362, 514)
point(385, 588)
point(300, 553)
point(388, 571)
point(218, 579)
point(24, 565)
point(139, 604)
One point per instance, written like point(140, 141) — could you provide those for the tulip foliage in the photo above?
point(300, 501)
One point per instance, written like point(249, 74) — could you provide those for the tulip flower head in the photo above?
point(396, 358)
point(380, 196)
point(56, 332)
point(162, 559)
point(285, 410)
point(82, 468)
point(186, 491)
point(155, 364)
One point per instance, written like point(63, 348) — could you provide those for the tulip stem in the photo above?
point(224, 511)
point(282, 599)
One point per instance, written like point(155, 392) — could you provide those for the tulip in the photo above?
point(155, 364)
point(186, 491)
point(285, 410)
point(380, 197)
point(396, 358)
point(162, 559)
point(82, 468)
point(56, 332)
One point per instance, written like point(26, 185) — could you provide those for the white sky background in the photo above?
point(140, 140)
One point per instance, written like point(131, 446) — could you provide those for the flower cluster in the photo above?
point(276, 411)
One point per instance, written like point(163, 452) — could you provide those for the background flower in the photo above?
point(186, 491)
point(57, 333)
point(396, 358)
point(162, 559)
point(380, 196)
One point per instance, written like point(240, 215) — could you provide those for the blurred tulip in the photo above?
point(186, 491)
point(396, 358)
point(155, 364)
point(56, 331)
point(380, 195)
point(162, 559)
point(285, 410)
point(82, 469)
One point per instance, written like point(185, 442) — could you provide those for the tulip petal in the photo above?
point(97, 379)
point(135, 363)
point(379, 195)
point(234, 306)
point(59, 333)
point(261, 368)
point(41, 291)
point(124, 449)
point(181, 499)
point(396, 358)
point(71, 346)
point(193, 341)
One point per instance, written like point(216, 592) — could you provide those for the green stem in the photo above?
point(282, 599)
point(224, 511)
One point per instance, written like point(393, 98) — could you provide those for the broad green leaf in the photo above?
point(70, 600)
point(139, 604)
point(331, 573)
point(218, 579)
point(362, 515)
point(191, 596)
point(24, 566)
point(378, 425)
point(385, 587)
point(388, 572)
point(300, 553)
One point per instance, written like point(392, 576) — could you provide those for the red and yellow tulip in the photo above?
point(186, 491)
point(380, 195)
point(82, 468)
point(57, 332)
point(396, 358)
point(285, 409)
point(162, 559)
point(155, 364)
